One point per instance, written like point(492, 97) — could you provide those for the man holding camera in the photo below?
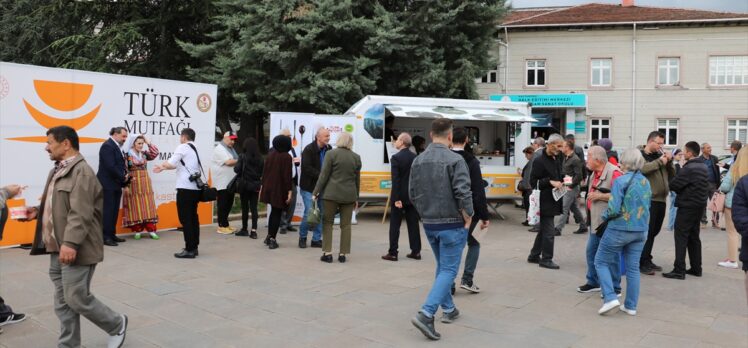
point(189, 183)
point(113, 177)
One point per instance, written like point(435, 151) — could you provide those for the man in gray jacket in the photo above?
point(440, 191)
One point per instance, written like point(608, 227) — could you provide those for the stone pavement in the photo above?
point(240, 294)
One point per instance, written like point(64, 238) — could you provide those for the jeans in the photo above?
point(656, 217)
point(570, 205)
point(249, 202)
point(593, 244)
point(304, 228)
point(447, 246)
point(187, 201)
point(606, 261)
point(673, 212)
point(471, 259)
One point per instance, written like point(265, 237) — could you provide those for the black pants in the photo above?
point(543, 246)
point(111, 210)
point(687, 230)
point(3, 220)
point(249, 202)
point(187, 201)
point(5, 310)
point(225, 201)
point(526, 202)
point(274, 221)
point(411, 220)
point(656, 217)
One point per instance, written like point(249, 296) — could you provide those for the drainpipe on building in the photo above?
point(633, 87)
point(506, 60)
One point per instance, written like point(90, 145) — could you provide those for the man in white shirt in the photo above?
point(185, 160)
point(222, 168)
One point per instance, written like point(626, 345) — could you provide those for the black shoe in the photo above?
point(110, 242)
point(197, 253)
point(341, 258)
point(282, 231)
point(414, 256)
point(291, 229)
point(267, 240)
point(272, 244)
point(525, 223)
point(302, 243)
point(558, 232)
point(253, 234)
point(548, 265)
point(119, 240)
point(531, 259)
point(426, 326)
point(534, 229)
point(648, 270)
point(389, 257)
point(674, 275)
point(12, 318)
point(184, 254)
point(655, 267)
point(242, 233)
point(693, 272)
point(326, 258)
point(588, 288)
point(316, 244)
point(582, 230)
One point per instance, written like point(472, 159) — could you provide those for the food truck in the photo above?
point(498, 131)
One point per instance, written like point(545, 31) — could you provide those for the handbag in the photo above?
point(600, 230)
point(315, 217)
point(234, 184)
point(533, 212)
point(717, 203)
point(207, 193)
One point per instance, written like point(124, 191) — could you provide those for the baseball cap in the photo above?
point(230, 134)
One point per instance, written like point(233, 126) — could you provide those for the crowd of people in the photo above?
point(440, 187)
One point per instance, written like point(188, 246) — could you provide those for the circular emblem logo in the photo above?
point(4, 87)
point(203, 102)
point(349, 128)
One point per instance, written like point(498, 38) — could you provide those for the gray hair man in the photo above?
point(440, 191)
point(602, 176)
point(546, 175)
point(312, 158)
point(538, 144)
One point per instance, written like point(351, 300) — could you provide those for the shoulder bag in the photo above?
point(207, 193)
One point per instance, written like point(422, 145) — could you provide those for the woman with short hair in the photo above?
point(627, 220)
point(338, 185)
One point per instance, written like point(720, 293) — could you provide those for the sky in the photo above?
point(740, 6)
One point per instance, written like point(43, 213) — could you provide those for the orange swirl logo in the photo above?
point(65, 97)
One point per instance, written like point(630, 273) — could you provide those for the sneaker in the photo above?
point(302, 243)
point(655, 267)
point(242, 233)
point(137, 236)
point(618, 293)
point(728, 264)
point(253, 234)
point(316, 244)
point(13, 318)
point(469, 286)
point(154, 236)
point(116, 341)
point(272, 244)
point(588, 288)
point(646, 270)
point(450, 317)
point(627, 311)
point(224, 230)
point(426, 326)
point(609, 306)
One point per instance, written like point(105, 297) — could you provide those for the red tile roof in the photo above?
point(606, 13)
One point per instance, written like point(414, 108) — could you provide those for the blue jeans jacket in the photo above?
point(632, 210)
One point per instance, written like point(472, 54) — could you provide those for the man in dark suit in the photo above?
point(113, 177)
point(401, 205)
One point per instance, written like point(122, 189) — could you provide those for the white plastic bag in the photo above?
point(533, 213)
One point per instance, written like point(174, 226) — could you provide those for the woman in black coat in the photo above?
point(277, 185)
point(249, 169)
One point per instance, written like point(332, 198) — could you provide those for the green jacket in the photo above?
point(340, 178)
point(658, 175)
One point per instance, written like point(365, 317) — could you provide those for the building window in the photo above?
point(737, 129)
point(535, 73)
point(599, 128)
point(668, 71)
point(669, 127)
point(602, 72)
point(728, 71)
point(491, 77)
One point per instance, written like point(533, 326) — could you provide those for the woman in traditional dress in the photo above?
point(138, 203)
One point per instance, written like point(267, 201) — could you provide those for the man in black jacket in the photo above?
point(546, 172)
point(480, 206)
point(401, 206)
point(311, 165)
point(113, 177)
point(712, 171)
point(573, 168)
point(691, 187)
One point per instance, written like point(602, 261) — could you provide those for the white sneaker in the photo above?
point(728, 264)
point(627, 311)
point(609, 306)
point(116, 341)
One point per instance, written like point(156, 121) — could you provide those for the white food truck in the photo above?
point(498, 130)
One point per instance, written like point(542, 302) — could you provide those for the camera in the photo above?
point(197, 179)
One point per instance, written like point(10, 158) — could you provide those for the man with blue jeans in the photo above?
point(440, 191)
point(311, 164)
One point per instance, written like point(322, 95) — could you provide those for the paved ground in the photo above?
point(240, 294)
